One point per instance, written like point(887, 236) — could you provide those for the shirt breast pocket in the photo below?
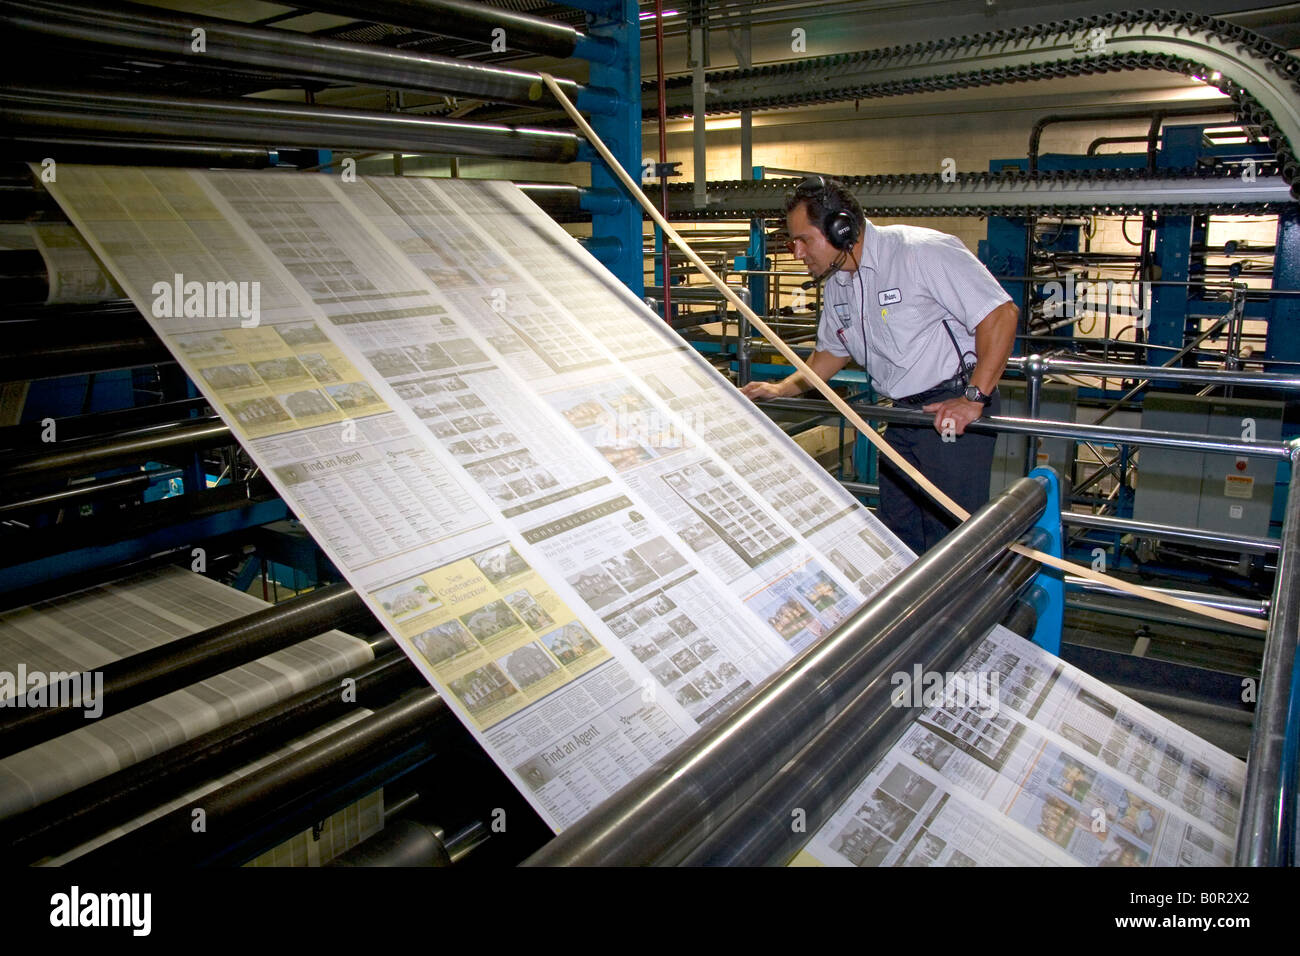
point(884, 324)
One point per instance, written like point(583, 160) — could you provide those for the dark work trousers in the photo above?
point(960, 467)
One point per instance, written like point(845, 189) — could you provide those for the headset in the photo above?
point(841, 229)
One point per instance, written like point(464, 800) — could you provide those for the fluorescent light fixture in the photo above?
point(687, 121)
point(1194, 93)
point(650, 14)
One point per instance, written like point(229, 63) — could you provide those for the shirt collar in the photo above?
point(870, 246)
point(870, 253)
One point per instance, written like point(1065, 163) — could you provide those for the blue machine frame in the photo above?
point(616, 229)
point(1181, 147)
point(1047, 593)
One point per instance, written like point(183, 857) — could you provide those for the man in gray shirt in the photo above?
point(930, 325)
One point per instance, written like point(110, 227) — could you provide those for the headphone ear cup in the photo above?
point(841, 230)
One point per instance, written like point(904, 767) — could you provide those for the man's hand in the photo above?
point(954, 415)
point(757, 391)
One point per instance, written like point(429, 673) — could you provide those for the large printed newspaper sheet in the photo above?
point(1055, 769)
point(580, 533)
point(84, 631)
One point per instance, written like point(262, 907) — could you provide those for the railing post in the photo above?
point(1265, 830)
point(1034, 368)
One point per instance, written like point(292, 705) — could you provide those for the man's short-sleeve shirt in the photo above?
point(888, 316)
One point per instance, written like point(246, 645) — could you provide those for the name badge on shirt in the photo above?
point(891, 297)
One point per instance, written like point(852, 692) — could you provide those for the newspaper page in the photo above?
point(75, 275)
point(576, 528)
point(1056, 769)
point(84, 631)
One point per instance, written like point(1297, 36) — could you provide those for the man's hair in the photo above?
point(819, 198)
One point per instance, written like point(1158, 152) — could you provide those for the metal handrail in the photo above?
point(1223, 602)
point(1276, 451)
point(1210, 539)
point(696, 295)
point(1155, 373)
point(1266, 828)
point(1129, 344)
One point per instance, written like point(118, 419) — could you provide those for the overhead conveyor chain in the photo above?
point(1262, 79)
point(1011, 193)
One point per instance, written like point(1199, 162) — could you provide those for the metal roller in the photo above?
point(670, 807)
point(281, 799)
point(827, 770)
point(67, 821)
point(1224, 602)
point(85, 113)
point(14, 438)
point(168, 35)
point(466, 20)
point(75, 346)
point(177, 664)
point(1022, 619)
point(120, 152)
point(87, 457)
point(132, 484)
point(401, 843)
point(406, 842)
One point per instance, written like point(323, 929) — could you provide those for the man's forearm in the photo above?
point(995, 337)
point(823, 364)
point(794, 385)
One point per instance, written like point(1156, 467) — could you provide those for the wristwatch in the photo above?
point(973, 394)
